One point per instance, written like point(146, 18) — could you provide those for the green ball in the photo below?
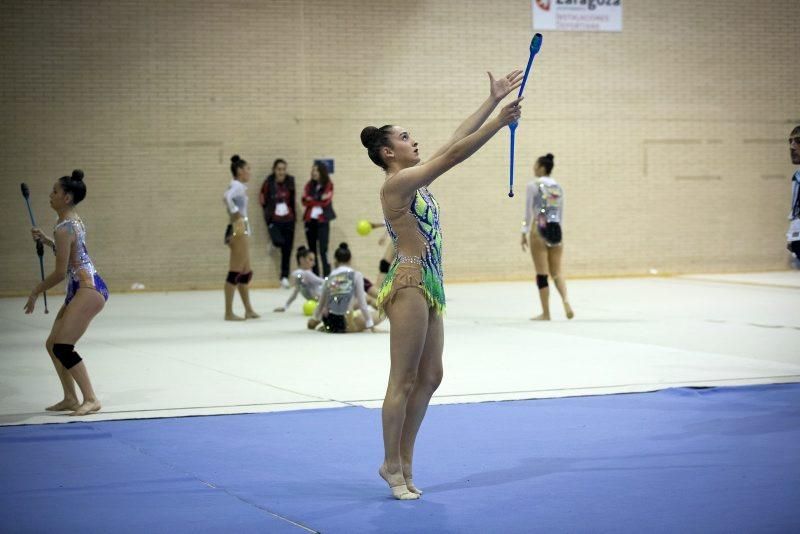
point(363, 227)
point(309, 307)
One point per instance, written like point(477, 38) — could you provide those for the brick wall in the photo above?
point(670, 137)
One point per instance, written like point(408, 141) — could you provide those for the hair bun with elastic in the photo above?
point(343, 245)
point(550, 156)
point(77, 175)
point(235, 158)
point(369, 135)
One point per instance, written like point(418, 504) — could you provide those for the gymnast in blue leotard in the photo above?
point(86, 294)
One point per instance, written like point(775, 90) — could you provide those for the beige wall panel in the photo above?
point(669, 137)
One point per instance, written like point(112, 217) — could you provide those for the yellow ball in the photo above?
point(363, 227)
point(309, 307)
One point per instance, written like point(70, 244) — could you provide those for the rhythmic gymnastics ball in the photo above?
point(309, 307)
point(363, 227)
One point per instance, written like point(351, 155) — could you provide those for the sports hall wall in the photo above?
point(669, 137)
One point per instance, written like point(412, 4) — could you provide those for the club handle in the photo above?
point(28, 204)
point(40, 251)
point(513, 128)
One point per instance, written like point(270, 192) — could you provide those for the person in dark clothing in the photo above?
point(277, 198)
point(793, 235)
point(318, 201)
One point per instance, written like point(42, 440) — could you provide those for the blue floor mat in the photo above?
point(679, 460)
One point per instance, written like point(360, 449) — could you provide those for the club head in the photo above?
point(536, 43)
point(25, 191)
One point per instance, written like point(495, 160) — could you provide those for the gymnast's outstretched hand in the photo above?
point(500, 88)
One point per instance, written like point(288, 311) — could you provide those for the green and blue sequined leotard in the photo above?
point(417, 238)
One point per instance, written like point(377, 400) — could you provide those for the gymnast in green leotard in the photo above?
point(412, 294)
point(423, 269)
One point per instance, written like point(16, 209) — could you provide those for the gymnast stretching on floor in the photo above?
point(303, 279)
point(343, 305)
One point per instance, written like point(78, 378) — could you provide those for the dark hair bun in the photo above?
point(369, 135)
point(343, 245)
point(549, 156)
point(77, 175)
point(301, 249)
point(235, 158)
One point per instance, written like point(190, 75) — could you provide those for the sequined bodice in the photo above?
point(341, 289)
point(235, 198)
point(310, 287)
point(80, 266)
point(416, 232)
point(548, 201)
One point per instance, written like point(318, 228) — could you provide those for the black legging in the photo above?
point(286, 230)
point(319, 232)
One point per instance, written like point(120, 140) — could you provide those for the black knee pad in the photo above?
point(541, 281)
point(66, 355)
point(232, 277)
point(385, 266)
point(244, 278)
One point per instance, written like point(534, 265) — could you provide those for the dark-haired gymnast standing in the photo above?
point(236, 236)
point(86, 294)
point(412, 294)
point(544, 209)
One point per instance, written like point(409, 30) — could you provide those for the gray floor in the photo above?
point(170, 354)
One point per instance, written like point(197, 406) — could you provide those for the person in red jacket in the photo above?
point(277, 198)
point(318, 200)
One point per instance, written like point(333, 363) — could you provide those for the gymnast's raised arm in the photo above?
point(498, 90)
point(400, 155)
